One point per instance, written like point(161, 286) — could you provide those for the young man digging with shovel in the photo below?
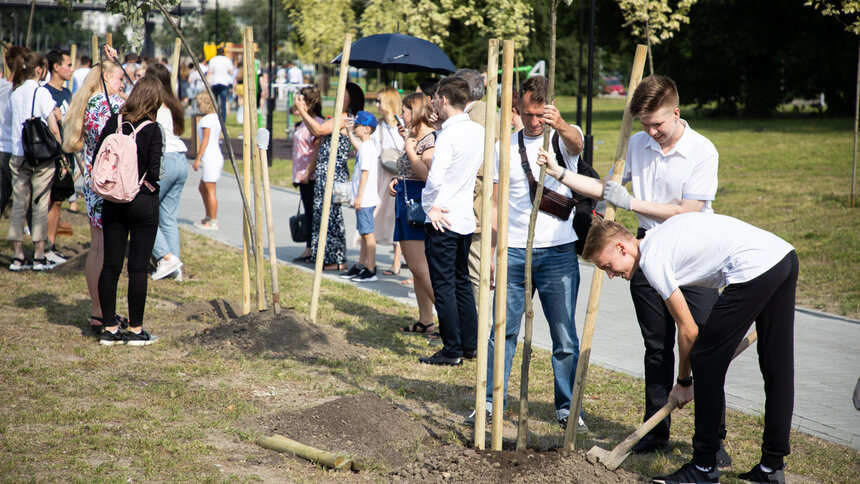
point(758, 271)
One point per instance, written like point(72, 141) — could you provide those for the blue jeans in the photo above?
point(555, 275)
point(175, 171)
point(221, 93)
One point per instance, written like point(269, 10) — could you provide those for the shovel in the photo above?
point(612, 459)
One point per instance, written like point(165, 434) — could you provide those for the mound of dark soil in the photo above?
point(364, 426)
point(453, 463)
point(287, 335)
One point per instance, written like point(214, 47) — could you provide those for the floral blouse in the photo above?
point(403, 163)
point(95, 117)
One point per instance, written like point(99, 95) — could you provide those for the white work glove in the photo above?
point(617, 195)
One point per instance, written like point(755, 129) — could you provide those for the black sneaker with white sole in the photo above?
point(140, 339)
point(756, 474)
point(113, 339)
point(351, 272)
point(689, 473)
point(366, 275)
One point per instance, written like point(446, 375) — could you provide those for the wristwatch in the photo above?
point(561, 176)
point(685, 382)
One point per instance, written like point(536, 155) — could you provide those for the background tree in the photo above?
point(655, 20)
point(848, 13)
point(318, 32)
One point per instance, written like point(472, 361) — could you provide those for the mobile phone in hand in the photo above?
point(398, 120)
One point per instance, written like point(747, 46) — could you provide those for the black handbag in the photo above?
point(63, 184)
point(39, 143)
point(299, 226)
point(415, 215)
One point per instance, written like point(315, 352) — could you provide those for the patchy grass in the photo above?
point(78, 412)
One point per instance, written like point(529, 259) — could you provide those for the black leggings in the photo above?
point(140, 219)
point(306, 190)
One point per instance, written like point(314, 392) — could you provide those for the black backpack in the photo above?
point(39, 143)
point(584, 206)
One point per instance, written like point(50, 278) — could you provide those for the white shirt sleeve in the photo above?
point(702, 184)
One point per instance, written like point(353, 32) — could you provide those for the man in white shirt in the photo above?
point(555, 269)
point(81, 73)
point(758, 271)
point(447, 201)
point(294, 74)
point(220, 77)
point(672, 169)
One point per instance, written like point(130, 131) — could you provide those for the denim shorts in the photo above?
point(402, 230)
point(364, 220)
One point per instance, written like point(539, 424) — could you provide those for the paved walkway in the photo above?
point(827, 348)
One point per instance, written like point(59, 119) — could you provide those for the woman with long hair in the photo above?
point(174, 172)
point(390, 146)
point(14, 55)
point(334, 258)
point(414, 165)
point(132, 224)
point(30, 183)
point(87, 115)
point(305, 146)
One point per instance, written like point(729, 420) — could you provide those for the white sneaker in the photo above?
point(207, 225)
point(166, 267)
point(177, 275)
point(55, 257)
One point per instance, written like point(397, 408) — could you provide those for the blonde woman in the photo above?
point(389, 143)
point(83, 125)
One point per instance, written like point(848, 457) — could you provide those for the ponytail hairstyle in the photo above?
point(14, 55)
point(26, 68)
point(73, 124)
point(143, 102)
point(160, 73)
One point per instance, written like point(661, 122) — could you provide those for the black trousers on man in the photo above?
point(769, 301)
point(448, 263)
point(658, 331)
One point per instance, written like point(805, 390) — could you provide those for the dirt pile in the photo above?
point(453, 463)
point(364, 426)
point(287, 335)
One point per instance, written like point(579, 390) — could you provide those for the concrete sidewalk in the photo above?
point(827, 347)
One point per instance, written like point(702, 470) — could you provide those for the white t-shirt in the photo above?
point(709, 250)
point(22, 102)
point(550, 231)
point(172, 143)
point(221, 70)
point(5, 116)
point(295, 76)
point(212, 153)
point(78, 77)
point(687, 171)
point(367, 159)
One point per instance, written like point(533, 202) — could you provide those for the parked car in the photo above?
point(612, 86)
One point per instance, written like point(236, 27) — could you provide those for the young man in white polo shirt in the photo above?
point(447, 201)
point(555, 268)
point(758, 271)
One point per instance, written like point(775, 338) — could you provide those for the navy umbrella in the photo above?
point(398, 52)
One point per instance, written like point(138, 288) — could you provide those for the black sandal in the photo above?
point(96, 328)
point(417, 327)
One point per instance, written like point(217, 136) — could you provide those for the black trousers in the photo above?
point(306, 191)
point(658, 331)
point(139, 219)
point(769, 301)
point(448, 262)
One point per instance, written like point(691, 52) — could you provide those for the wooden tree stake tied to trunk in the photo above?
point(262, 144)
point(522, 424)
point(245, 206)
point(597, 277)
point(486, 254)
point(94, 48)
point(174, 63)
point(502, 246)
point(250, 88)
point(329, 178)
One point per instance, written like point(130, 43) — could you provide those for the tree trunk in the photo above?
point(648, 40)
point(30, 23)
point(856, 116)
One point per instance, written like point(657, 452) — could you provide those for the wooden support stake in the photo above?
point(251, 122)
point(174, 63)
point(597, 276)
point(502, 246)
point(94, 47)
point(246, 177)
point(73, 54)
point(262, 145)
point(6, 72)
point(329, 178)
point(328, 459)
point(109, 39)
point(486, 249)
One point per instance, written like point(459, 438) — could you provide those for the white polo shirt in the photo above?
point(687, 171)
point(222, 70)
point(22, 103)
point(457, 155)
point(550, 231)
point(708, 250)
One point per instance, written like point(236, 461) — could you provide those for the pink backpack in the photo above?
point(114, 175)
